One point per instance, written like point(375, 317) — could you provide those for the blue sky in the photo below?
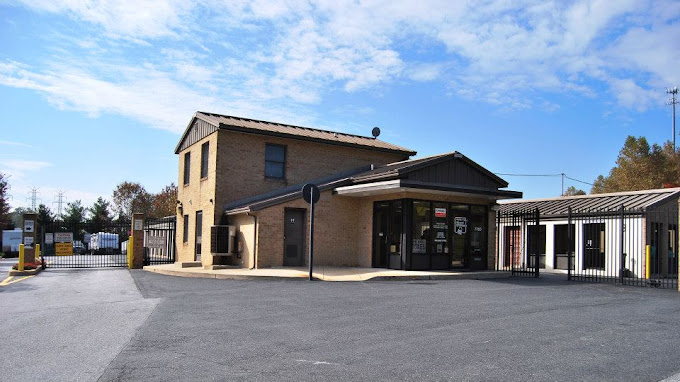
point(94, 93)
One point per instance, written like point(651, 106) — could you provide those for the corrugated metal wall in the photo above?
point(199, 130)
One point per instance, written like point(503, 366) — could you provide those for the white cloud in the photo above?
point(25, 165)
point(18, 169)
point(11, 143)
point(271, 58)
point(123, 18)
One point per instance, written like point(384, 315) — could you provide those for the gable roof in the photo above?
point(644, 199)
point(245, 125)
point(399, 169)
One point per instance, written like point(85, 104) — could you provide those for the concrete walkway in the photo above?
point(321, 273)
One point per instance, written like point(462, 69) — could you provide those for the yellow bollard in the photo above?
point(37, 252)
point(129, 252)
point(648, 261)
point(20, 266)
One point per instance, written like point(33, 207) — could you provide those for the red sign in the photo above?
point(440, 212)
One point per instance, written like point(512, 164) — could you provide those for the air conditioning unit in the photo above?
point(222, 240)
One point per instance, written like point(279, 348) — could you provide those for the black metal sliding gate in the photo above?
point(626, 246)
point(620, 245)
point(518, 252)
point(83, 244)
point(159, 240)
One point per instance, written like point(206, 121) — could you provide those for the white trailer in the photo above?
point(104, 242)
point(11, 240)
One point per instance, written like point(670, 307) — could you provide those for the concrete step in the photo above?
point(214, 267)
point(190, 264)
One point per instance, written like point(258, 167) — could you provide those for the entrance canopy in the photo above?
point(451, 174)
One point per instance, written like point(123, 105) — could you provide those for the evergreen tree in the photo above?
point(74, 214)
point(45, 216)
point(100, 216)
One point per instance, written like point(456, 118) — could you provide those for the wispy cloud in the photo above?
point(11, 143)
point(25, 165)
point(19, 169)
point(271, 59)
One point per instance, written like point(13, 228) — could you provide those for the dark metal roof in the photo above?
point(281, 195)
point(640, 200)
point(368, 175)
point(246, 125)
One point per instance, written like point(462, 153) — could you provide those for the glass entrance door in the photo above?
point(387, 234)
point(381, 214)
point(459, 236)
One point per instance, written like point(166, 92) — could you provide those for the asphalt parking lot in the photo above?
point(510, 330)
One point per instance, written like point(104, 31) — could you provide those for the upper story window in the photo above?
point(205, 150)
point(275, 161)
point(187, 167)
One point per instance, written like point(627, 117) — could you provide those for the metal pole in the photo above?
point(570, 241)
point(311, 236)
point(538, 246)
point(673, 101)
point(622, 226)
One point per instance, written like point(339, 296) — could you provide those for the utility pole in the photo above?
point(60, 202)
point(673, 101)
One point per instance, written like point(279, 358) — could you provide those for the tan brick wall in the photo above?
point(245, 239)
point(196, 196)
point(241, 163)
point(343, 229)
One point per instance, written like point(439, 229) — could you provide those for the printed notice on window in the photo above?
point(419, 245)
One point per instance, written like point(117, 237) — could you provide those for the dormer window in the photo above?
point(275, 161)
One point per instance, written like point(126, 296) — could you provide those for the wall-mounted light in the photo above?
point(180, 207)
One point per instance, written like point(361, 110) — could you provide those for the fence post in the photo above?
point(622, 227)
point(570, 242)
point(498, 241)
point(537, 241)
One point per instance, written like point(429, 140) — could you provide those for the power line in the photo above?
point(563, 175)
point(580, 181)
point(499, 173)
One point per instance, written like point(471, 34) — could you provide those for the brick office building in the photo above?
point(378, 208)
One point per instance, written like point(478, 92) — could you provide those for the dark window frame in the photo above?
point(187, 168)
point(198, 233)
point(185, 229)
point(272, 161)
point(205, 157)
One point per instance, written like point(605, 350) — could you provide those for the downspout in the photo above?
point(255, 248)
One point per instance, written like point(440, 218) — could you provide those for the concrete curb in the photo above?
point(29, 272)
point(358, 278)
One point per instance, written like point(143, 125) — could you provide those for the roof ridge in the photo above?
point(288, 125)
